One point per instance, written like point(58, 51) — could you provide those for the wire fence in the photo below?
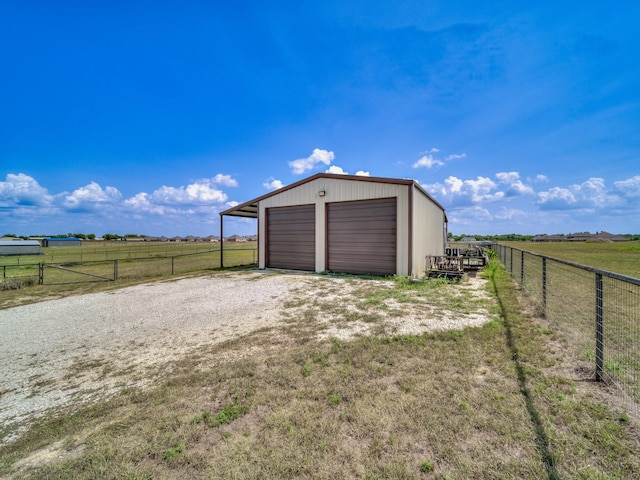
point(596, 312)
point(76, 271)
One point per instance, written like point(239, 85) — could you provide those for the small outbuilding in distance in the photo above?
point(62, 242)
point(20, 247)
point(347, 224)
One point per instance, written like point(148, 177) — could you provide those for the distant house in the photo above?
point(610, 237)
point(579, 237)
point(62, 242)
point(549, 238)
point(19, 247)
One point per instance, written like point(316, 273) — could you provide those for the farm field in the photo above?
point(106, 265)
point(598, 314)
point(617, 257)
point(109, 250)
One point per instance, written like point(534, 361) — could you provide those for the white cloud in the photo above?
point(630, 187)
point(591, 193)
point(594, 192)
point(477, 191)
point(511, 214)
point(457, 192)
point(302, 165)
point(224, 180)
point(541, 178)
point(201, 192)
point(91, 195)
point(142, 203)
point(336, 170)
point(272, 184)
point(22, 189)
point(428, 161)
point(514, 184)
point(556, 197)
point(468, 215)
point(508, 177)
point(362, 173)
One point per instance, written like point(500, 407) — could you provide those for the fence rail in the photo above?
point(61, 273)
point(596, 312)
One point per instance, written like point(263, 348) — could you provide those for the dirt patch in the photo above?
point(61, 354)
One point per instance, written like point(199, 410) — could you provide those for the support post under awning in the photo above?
point(221, 241)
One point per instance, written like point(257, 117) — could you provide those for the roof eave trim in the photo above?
point(361, 178)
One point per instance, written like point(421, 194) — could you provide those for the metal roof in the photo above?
point(18, 243)
point(250, 209)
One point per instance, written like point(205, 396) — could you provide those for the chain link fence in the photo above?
point(596, 312)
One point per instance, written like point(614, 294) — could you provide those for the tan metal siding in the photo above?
point(340, 190)
point(428, 231)
point(362, 237)
point(291, 237)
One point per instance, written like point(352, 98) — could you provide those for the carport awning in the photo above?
point(248, 209)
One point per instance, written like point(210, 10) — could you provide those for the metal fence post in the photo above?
point(511, 262)
point(599, 329)
point(41, 274)
point(4, 271)
point(544, 283)
point(115, 269)
point(172, 269)
point(522, 267)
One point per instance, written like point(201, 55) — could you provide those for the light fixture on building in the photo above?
point(322, 193)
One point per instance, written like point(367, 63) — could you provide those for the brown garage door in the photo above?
point(362, 237)
point(291, 235)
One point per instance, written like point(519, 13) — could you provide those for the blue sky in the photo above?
point(152, 117)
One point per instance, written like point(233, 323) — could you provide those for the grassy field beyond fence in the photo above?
point(597, 311)
point(96, 262)
point(111, 250)
point(617, 257)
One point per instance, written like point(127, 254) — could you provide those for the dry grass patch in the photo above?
point(289, 403)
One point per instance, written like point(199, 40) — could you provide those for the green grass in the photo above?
point(617, 257)
point(92, 268)
point(111, 250)
point(499, 401)
point(571, 303)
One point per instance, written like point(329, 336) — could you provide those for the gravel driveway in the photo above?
point(122, 330)
point(61, 353)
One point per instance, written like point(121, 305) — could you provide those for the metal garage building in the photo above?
point(348, 224)
point(20, 247)
point(62, 242)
